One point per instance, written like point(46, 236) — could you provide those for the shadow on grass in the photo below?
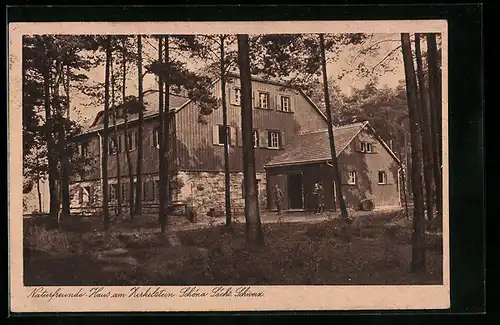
point(294, 254)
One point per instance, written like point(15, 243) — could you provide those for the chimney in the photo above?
point(390, 144)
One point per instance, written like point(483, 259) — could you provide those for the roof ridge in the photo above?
point(346, 126)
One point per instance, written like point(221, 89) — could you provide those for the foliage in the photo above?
point(67, 58)
point(296, 58)
point(180, 78)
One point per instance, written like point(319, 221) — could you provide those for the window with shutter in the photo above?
point(215, 134)
point(80, 195)
point(232, 136)
point(263, 139)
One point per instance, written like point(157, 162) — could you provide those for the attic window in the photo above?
point(366, 147)
point(351, 178)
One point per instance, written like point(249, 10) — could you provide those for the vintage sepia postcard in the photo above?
point(228, 166)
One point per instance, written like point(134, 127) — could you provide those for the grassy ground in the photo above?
point(377, 251)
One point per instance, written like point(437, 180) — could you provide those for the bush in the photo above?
point(53, 241)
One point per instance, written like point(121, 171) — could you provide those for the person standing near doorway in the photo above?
point(278, 198)
point(320, 197)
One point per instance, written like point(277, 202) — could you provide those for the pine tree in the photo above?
point(425, 131)
point(418, 239)
point(254, 233)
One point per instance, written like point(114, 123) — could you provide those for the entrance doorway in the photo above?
point(295, 191)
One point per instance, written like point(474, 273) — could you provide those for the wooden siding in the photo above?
point(366, 166)
point(195, 146)
point(150, 152)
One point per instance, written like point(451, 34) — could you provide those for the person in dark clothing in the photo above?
point(278, 198)
point(320, 198)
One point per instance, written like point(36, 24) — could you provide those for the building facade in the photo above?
point(368, 169)
point(196, 153)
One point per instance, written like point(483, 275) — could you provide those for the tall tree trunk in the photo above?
point(117, 142)
point(435, 110)
point(336, 171)
point(227, 175)
point(166, 140)
point(425, 131)
point(161, 162)
point(105, 189)
point(39, 193)
point(62, 142)
point(140, 131)
point(51, 153)
point(254, 233)
point(418, 242)
point(125, 131)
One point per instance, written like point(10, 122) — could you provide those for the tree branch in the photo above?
point(385, 57)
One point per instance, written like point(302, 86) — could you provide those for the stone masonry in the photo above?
point(206, 190)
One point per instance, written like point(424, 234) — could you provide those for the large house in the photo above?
point(291, 149)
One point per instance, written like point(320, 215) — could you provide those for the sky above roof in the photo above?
point(345, 60)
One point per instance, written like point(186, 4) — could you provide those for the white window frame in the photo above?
point(256, 138)
point(352, 178)
point(259, 102)
point(282, 101)
point(237, 96)
point(276, 138)
point(384, 177)
point(366, 147)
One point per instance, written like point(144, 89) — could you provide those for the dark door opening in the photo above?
point(295, 191)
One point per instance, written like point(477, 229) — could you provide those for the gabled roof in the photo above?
point(178, 102)
point(311, 147)
point(151, 104)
